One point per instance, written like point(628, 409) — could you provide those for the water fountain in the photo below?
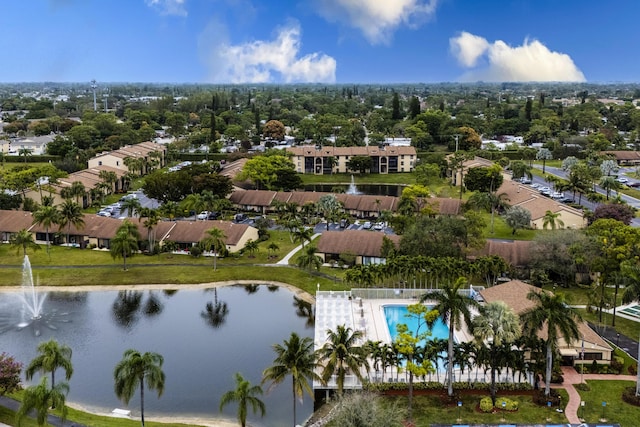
point(29, 303)
point(352, 187)
point(31, 299)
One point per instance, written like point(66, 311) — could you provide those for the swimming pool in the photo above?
point(397, 314)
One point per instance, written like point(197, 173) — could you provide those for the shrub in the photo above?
point(509, 405)
point(632, 370)
point(539, 397)
point(594, 367)
point(617, 364)
point(629, 396)
point(195, 251)
point(486, 405)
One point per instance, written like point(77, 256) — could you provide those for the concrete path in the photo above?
point(285, 260)
point(572, 377)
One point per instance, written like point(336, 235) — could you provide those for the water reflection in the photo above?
point(215, 312)
point(252, 288)
point(304, 309)
point(179, 327)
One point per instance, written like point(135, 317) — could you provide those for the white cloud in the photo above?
point(532, 61)
point(263, 61)
point(377, 19)
point(168, 7)
point(467, 48)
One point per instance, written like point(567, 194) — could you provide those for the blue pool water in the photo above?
point(397, 314)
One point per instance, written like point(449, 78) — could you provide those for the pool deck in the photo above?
point(365, 315)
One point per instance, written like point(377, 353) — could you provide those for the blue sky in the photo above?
point(328, 41)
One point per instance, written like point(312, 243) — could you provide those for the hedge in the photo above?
point(434, 385)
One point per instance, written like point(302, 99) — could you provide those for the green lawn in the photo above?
point(615, 411)
point(624, 326)
point(502, 231)
point(369, 178)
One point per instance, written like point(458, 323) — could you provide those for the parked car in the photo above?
point(366, 225)
point(104, 213)
point(239, 217)
point(557, 195)
point(203, 215)
point(525, 180)
point(535, 185)
point(622, 180)
point(545, 191)
point(378, 226)
point(213, 215)
point(344, 223)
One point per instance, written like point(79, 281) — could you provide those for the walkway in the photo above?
point(285, 260)
point(572, 377)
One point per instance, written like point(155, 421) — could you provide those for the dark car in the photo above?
point(213, 215)
point(240, 217)
point(344, 223)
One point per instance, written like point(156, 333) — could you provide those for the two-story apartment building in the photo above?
point(116, 158)
point(311, 159)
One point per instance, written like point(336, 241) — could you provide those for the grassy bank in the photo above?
point(615, 411)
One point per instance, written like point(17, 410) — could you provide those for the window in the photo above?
point(99, 162)
point(117, 163)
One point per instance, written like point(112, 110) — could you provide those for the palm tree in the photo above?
point(552, 219)
point(52, 356)
point(131, 205)
point(294, 357)
point(193, 202)
point(341, 355)
point(245, 395)
point(170, 209)
point(125, 242)
point(77, 190)
point(561, 320)
point(609, 183)
point(544, 154)
point(46, 216)
point(497, 325)
point(25, 152)
point(70, 214)
point(303, 234)
point(273, 248)
point(108, 178)
point(215, 242)
point(23, 239)
point(251, 246)
point(40, 398)
point(631, 271)
point(309, 260)
point(329, 206)
point(152, 219)
point(453, 307)
point(135, 370)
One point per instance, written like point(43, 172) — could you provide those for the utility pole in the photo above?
point(456, 136)
point(94, 86)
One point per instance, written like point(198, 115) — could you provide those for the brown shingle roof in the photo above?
point(359, 242)
point(514, 294)
point(14, 221)
point(194, 231)
point(515, 252)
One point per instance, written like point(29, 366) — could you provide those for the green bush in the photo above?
point(509, 405)
point(629, 396)
point(486, 405)
point(195, 251)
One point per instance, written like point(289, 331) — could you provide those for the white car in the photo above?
point(104, 213)
point(378, 226)
point(622, 180)
point(366, 225)
point(203, 215)
point(557, 195)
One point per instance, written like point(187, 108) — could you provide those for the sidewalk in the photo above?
point(285, 260)
point(572, 377)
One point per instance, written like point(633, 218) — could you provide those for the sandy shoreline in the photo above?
point(297, 291)
point(199, 421)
